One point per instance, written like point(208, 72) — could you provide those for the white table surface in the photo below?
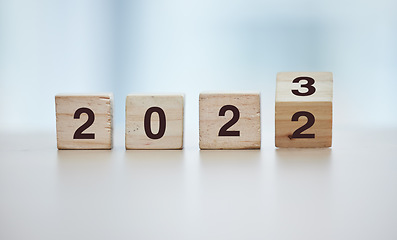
point(346, 192)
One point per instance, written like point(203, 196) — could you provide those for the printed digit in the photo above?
point(236, 115)
point(309, 85)
point(308, 124)
point(162, 122)
point(91, 118)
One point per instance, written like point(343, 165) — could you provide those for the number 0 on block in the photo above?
point(154, 121)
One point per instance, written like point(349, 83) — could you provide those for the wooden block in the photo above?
point(230, 121)
point(154, 121)
point(304, 109)
point(84, 121)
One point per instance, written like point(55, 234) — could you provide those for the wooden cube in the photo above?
point(84, 121)
point(230, 121)
point(304, 109)
point(154, 121)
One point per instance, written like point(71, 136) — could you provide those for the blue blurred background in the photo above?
point(50, 47)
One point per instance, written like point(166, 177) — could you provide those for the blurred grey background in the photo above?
point(50, 47)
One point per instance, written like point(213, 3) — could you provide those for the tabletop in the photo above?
point(348, 191)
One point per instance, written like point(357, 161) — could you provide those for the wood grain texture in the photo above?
point(323, 85)
point(136, 107)
point(322, 127)
point(318, 104)
point(100, 104)
point(248, 124)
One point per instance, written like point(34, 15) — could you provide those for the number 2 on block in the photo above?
point(224, 132)
point(310, 122)
point(91, 118)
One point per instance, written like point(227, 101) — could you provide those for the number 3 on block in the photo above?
point(230, 121)
point(304, 109)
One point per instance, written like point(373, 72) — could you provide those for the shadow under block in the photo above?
point(84, 121)
point(304, 121)
point(237, 114)
point(154, 121)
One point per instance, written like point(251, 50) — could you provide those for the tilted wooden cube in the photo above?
point(154, 121)
point(230, 121)
point(84, 121)
point(304, 109)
